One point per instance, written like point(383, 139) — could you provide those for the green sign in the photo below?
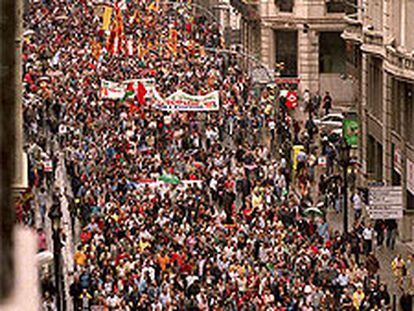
point(350, 130)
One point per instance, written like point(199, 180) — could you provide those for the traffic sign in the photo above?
point(385, 202)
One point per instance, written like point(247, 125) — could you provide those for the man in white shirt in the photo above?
point(272, 128)
point(367, 235)
point(357, 202)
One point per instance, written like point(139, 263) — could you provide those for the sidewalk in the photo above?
point(69, 249)
point(384, 255)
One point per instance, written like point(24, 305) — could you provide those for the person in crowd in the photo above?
point(327, 103)
point(379, 228)
point(392, 231)
point(367, 235)
point(399, 269)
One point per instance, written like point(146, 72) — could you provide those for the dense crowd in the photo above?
point(227, 230)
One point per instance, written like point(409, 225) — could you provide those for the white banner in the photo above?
point(181, 101)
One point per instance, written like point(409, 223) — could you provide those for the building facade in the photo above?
point(302, 38)
point(379, 35)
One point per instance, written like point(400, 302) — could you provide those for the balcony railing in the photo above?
point(400, 60)
point(353, 29)
point(372, 37)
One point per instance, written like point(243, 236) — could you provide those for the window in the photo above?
point(287, 52)
point(375, 87)
point(285, 5)
point(351, 8)
point(395, 107)
point(374, 159)
point(410, 200)
point(332, 53)
point(409, 111)
point(335, 6)
point(395, 171)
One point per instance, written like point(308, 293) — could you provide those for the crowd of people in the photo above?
point(183, 210)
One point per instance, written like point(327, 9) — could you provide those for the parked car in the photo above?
point(330, 121)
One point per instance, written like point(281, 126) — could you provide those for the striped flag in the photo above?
point(115, 46)
point(130, 47)
point(106, 18)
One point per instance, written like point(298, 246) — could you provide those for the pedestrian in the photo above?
point(327, 103)
point(372, 264)
point(358, 298)
point(399, 270)
point(357, 205)
point(379, 228)
point(367, 235)
point(406, 302)
point(355, 244)
point(41, 240)
point(392, 231)
point(75, 292)
point(42, 201)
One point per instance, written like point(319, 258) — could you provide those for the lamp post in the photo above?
point(55, 216)
point(344, 162)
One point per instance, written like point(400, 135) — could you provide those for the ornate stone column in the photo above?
point(20, 160)
point(386, 129)
point(363, 114)
point(8, 94)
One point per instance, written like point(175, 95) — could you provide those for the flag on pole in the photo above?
point(291, 99)
point(115, 46)
point(130, 47)
point(153, 6)
point(141, 92)
point(173, 41)
point(96, 49)
point(106, 18)
point(116, 39)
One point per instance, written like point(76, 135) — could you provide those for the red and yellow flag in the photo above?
point(96, 49)
point(173, 41)
point(106, 17)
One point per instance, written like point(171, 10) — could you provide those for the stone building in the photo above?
point(301, 38)
point(381, 41)
point(18, 271)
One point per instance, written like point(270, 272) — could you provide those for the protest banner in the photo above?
point(291, 98)
point(181, 101)
point(112, 90)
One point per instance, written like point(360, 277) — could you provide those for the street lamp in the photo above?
point(55, 216)
point(344, 161)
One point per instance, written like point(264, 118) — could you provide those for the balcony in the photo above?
point(373, 37)
point(373, 42)
point(399, 63)
point(353, 29)
point(248, 9)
